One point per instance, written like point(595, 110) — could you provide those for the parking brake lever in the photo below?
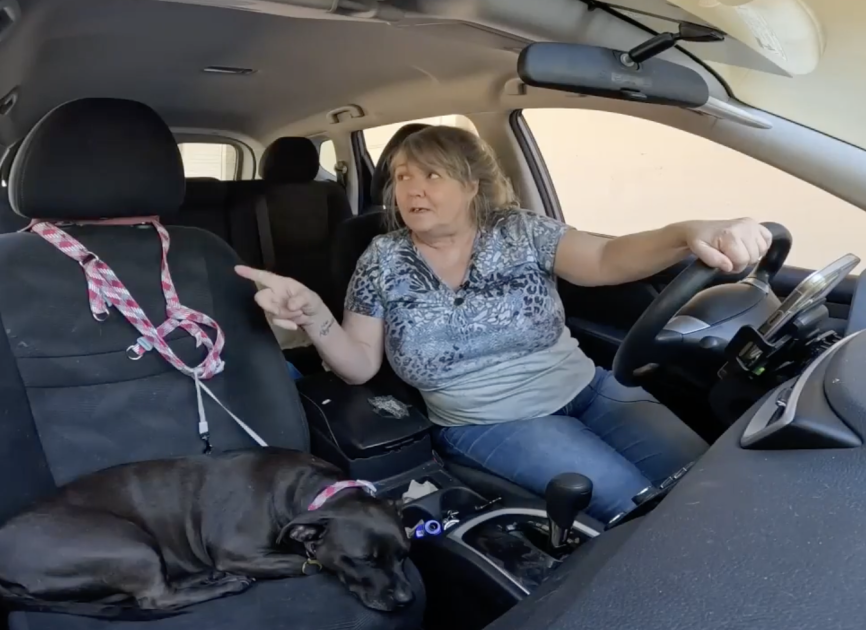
point(566, 496)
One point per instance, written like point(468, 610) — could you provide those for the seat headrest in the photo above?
point(97, 158)
point(6, 162)
point(382, 174)
point(290, 161)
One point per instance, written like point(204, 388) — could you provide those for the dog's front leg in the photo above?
point(267, 566)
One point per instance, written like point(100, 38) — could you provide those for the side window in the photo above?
point(377, 137)
point(328, 157)
point(615, 174)
point(209, 159)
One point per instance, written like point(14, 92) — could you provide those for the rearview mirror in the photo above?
point(603, 72)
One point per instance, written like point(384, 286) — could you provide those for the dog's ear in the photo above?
point(309, 527)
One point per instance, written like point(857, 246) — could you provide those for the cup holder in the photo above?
point(435, 506)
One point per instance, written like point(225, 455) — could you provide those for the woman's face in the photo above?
point(431, 202)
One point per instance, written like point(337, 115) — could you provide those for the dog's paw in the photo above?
point(215, 577)
point(237, 583)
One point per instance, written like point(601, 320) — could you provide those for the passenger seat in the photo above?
point(72, 401)
point(9, 221)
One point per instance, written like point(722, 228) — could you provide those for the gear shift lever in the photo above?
point(566, 495)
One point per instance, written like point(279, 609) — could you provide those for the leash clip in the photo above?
point(311, 562)
point(205, 437)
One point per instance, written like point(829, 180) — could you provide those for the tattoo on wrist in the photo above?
point(325, 328)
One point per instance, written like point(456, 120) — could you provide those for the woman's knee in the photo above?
point(532, 452)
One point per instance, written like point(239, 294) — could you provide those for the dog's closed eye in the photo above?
point(356, 560)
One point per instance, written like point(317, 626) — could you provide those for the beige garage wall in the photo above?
point(615, 174)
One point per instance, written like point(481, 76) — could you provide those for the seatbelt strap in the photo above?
point(104, 289)
point(266, 237)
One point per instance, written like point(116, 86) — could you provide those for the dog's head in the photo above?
point(361, 540)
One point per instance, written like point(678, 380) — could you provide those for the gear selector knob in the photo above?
point(566, 496)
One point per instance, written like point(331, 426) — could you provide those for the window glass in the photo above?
point(328, 157)
point(209, 159)
point(377, 137)
point(615, 174)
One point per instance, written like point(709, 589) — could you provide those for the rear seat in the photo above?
point(301, 214)
point(304, 214)
point(220, 207)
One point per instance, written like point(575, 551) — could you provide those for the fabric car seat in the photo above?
point(351, 239)
point(9, 221)
point(71, 398)
point(303, 212)
point(297, 217)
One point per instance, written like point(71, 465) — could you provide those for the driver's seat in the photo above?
point(73, 401)
point(351, 239)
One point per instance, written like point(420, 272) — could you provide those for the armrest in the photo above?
point(362, 421)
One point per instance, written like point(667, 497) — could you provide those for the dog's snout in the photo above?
point(403, 595)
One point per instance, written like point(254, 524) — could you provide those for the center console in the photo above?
point(485, 552)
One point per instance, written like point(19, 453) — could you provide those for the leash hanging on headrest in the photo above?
point(104, 289)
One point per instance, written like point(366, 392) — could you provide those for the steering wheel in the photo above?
point(640, 345)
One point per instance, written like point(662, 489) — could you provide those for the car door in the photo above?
point(600, 317)
point(614, 174)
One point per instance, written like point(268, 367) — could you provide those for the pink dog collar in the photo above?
point(334, 488)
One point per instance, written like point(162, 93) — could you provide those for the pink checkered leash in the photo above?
point(334, 488)
point(105, 289)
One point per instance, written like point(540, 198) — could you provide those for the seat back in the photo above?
point(352, 237)
point(9, 221)
point(225, 209)
point(71, 399)
point(304, 214)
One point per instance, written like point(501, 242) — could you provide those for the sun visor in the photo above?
point(786, 32)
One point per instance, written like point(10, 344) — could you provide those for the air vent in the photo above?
point(228, 70)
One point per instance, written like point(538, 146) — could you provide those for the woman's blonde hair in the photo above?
point(461, 155)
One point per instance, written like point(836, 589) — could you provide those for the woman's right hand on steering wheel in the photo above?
point(291, 304)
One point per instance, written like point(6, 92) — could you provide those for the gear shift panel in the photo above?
point(526, 545)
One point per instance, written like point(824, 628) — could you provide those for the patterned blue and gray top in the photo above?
point(493, 350)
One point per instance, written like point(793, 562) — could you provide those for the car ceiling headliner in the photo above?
point(154, 52)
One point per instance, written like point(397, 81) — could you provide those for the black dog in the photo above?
point(169, 533)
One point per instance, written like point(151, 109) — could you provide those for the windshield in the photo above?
point(815, 51)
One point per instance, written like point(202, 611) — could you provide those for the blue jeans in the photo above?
point(620, 437)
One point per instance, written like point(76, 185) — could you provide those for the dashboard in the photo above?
point(760, 533)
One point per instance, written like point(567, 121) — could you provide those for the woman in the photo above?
point(463, 300)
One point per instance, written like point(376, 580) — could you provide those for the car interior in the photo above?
point(103, 104)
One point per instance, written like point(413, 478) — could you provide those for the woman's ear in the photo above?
point(306, 528)
point(473, 187)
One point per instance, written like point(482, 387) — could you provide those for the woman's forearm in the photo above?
point(642, 254)
point(351, 359)
point(589, 260)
